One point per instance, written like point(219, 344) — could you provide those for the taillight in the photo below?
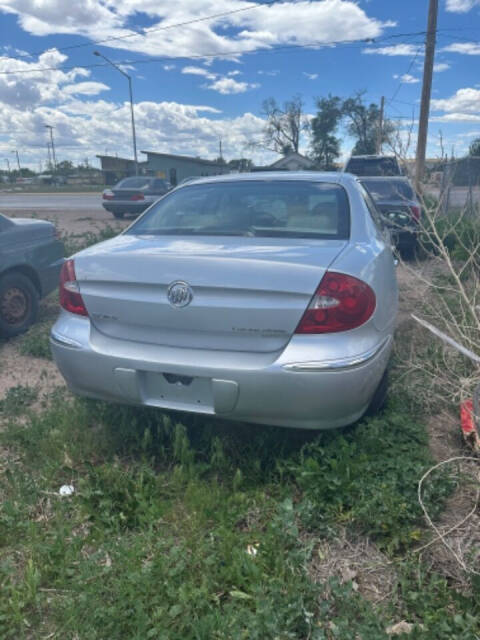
point(108, 195)
point(70, 297)
point(340, 303)
point(415, 212)
point(138, 196)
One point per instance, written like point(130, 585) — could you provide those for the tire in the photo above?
point(379, 398)
point(118, 215)
point(18, 304)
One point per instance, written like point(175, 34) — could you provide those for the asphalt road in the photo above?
point(51, 201)
point(75, 213)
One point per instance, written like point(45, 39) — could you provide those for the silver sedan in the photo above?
point(268, 298)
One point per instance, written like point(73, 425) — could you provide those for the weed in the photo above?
point(17, 400)
point(36, 342)
point(76, 242)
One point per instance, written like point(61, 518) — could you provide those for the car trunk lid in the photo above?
point(248, 294)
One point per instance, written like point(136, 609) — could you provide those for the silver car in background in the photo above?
point(266, 298)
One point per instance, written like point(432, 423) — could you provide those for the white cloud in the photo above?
point(234, 73)
point(441, 66)
point(467, 48)
point(43, 87)
point(229, 85)
point(289, 22)
point(199, 71)
point(169, 67)
point(394, 50)
point(464, 101)
point(86, 88)
point(273, 72)
point(461, 6)
point(455, 117)
point(310, 76)
point(406, 78)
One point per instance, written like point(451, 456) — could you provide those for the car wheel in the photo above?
point(379, 398)
point(118, 215)
point(18, 304)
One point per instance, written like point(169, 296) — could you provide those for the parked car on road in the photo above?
point(267, 298)
point(373, 165)
point(134, 195)
point(31, 256)
point(396, 200)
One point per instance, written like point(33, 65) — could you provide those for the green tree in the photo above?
point(474, 149)
point(65, 167)
point(363, 122)
point(284, 125)
point(241, 164)
point(325, 144)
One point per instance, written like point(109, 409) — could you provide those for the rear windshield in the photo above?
point(373, 167)
point(389, 189)
point(134, 183)
point(251, 208)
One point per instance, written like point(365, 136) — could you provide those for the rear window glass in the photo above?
point(389, 189)
point(373, 167)
point(251, 208)
point(134, 183)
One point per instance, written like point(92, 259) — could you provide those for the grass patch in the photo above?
point(17, 400)
point(75, 242)
point(36, 342)
point(153, 543)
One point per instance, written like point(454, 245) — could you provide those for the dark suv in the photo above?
point(372, 166)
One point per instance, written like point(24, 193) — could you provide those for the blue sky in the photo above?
point(206, 80)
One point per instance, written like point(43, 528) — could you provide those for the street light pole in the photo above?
point(49, 126)
point(15, 151)
point(132, 115)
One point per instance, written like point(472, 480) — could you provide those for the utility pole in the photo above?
point(220, 148)
point(18, 160)
point(380, 126)
point(48, 126)
point(49, 157)
point(132, 115)
point(426, 92)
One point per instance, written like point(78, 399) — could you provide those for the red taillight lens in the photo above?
point(340, 303)
point(415, 212)
point(70, 298)
point(108, 195)
point(138, 196)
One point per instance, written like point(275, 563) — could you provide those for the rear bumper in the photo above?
point(290, 391)
point(125, 207)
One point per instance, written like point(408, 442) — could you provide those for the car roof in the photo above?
point(384, 178)
point(335, 177)
point(371, 157)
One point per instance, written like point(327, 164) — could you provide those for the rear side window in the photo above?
point(298, 209)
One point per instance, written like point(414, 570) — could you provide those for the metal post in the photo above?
point(18, 160)
point(426, 92)
point(48, 126)
point(380, 126)
point(134, 136)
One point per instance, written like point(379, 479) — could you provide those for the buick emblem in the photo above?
point(179, 294)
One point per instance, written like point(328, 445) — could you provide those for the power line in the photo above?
point(144, 31)
point(224, 54)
